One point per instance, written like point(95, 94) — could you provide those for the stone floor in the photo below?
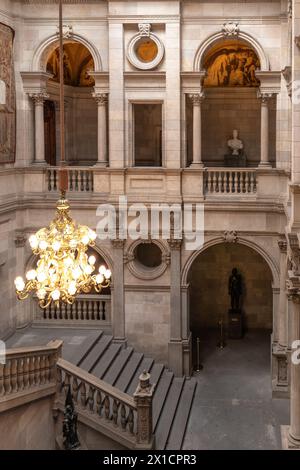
point(233, 406)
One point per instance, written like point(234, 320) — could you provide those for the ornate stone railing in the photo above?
point(79, 179)
point(230, 181)
point(105, 408)
point(86, 309)
point(28, 374)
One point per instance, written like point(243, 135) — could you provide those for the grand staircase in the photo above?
point(121, 367)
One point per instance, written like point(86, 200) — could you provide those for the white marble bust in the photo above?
point(235, 144)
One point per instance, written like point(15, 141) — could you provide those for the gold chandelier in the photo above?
point(64, 269)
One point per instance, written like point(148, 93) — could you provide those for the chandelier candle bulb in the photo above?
point(63, 268)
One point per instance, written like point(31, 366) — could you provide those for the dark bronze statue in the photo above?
point(71, 440)
point(235, 289)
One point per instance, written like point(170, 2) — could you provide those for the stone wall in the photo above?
point(209, 287)
point(147, 320)
point(28, 427)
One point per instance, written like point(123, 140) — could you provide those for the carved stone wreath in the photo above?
point(138, 269)
point(144, 31)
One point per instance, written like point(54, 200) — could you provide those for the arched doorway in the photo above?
point(80, 106)
point(208, 278)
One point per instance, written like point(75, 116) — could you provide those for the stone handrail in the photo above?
point(237, 181)
point(80, 179)
point(126, 419)
point(29, 373)
point(87, 308)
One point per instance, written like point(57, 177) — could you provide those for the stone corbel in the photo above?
point(230, 236)
point(293, 256)
point(297, 41)
point(67, 31)
point(20, 239)
point(287, 75)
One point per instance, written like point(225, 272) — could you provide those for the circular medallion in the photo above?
point(145, 52)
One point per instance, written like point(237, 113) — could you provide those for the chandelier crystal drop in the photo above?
point(63, 269)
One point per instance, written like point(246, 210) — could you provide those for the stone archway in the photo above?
point(207, 275)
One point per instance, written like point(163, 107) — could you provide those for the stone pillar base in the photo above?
point(41, 163)
point(286, 441)
point(265, 165)
point(280, 372)
point(197, 165)
point(175, 357)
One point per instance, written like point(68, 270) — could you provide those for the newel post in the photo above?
point(143, 397)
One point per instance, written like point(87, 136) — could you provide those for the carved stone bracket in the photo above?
point(293, 250)
point(144, 29)
point(67, 31)
point(282, 245)
point(287, 75)
point(230, 29)
point(297, 41)
point(230, 236)
point(118, 243)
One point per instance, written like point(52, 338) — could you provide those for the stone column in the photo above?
point(264, 130)
point(101, 99)
point(282, 311)
point(175, 344)
point(38, 99)
point(294, 429)
point(197, 99)
point(118, 291)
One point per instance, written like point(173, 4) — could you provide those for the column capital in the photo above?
point(39, 97)
point(264, 96)
point(197, 98)
point(101, 98)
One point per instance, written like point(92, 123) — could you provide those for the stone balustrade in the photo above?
point(28, 374)
point(110, 411)
point(230, 181)
point(79, 179)
point(87, 308)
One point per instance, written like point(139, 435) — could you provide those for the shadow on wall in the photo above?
point(209, 298)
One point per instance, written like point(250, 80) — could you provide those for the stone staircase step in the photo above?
point(106, 360)
point(128, 372)
point(78, 355)
point(179, 424)
point(156, 372)
point(95, 354)
point(118, 365)
point(146, 365)
point(160, 395)
point(168, 413)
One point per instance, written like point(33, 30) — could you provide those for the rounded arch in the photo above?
point(216, 37)
point(242, 241)
point(44, 50)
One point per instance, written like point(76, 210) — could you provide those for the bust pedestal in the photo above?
point(232, 161)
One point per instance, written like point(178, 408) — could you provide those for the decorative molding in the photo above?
point(230, 236)
point(264, 97)
point(297, 41)
point(230, 29)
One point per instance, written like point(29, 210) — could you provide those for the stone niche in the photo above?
point(7, 96)
point(209, 298)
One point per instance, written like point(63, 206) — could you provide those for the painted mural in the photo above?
point(7, 96)
point(231, 65)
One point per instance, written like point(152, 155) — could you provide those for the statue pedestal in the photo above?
point(235, 323)
point(233, 161)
